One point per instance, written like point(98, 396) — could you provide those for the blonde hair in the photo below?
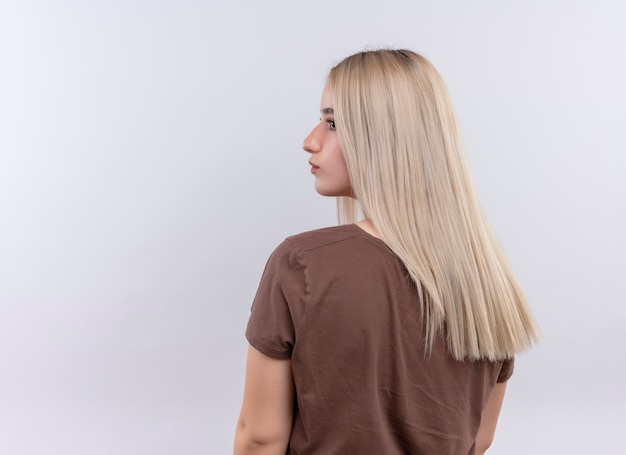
point(401, 144)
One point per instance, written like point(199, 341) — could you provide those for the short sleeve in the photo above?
point(278, 304)
point(507, 370)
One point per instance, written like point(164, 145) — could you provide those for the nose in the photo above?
point(311, 143)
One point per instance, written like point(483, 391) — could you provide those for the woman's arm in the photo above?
point(489, 419)
point(266, 416)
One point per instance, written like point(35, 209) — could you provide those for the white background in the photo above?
point(150, 161)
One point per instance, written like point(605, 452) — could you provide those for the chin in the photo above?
point(331, 192)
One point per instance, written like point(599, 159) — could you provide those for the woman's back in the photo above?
point(342, 307)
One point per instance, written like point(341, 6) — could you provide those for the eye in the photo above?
point(331, 124)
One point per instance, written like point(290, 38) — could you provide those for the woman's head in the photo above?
point(397, 130)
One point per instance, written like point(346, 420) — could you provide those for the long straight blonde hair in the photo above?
point(402, 147)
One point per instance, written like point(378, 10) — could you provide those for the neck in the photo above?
point(368, 227)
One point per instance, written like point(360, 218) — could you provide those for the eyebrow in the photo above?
point(327, 110)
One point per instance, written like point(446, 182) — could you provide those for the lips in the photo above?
point(314, 168)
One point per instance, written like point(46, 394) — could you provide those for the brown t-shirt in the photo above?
point(340, 304)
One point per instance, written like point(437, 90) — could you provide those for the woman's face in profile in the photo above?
point(327, 162)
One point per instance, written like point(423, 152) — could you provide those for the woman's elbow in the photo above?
point(255, 441)
point(482, 444)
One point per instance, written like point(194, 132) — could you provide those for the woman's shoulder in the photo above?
point(293, 249)
point(321, 237)
point(342, 238)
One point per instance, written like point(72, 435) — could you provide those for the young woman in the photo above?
point(395, 334)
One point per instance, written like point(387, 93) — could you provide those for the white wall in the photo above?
point(150, 161)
